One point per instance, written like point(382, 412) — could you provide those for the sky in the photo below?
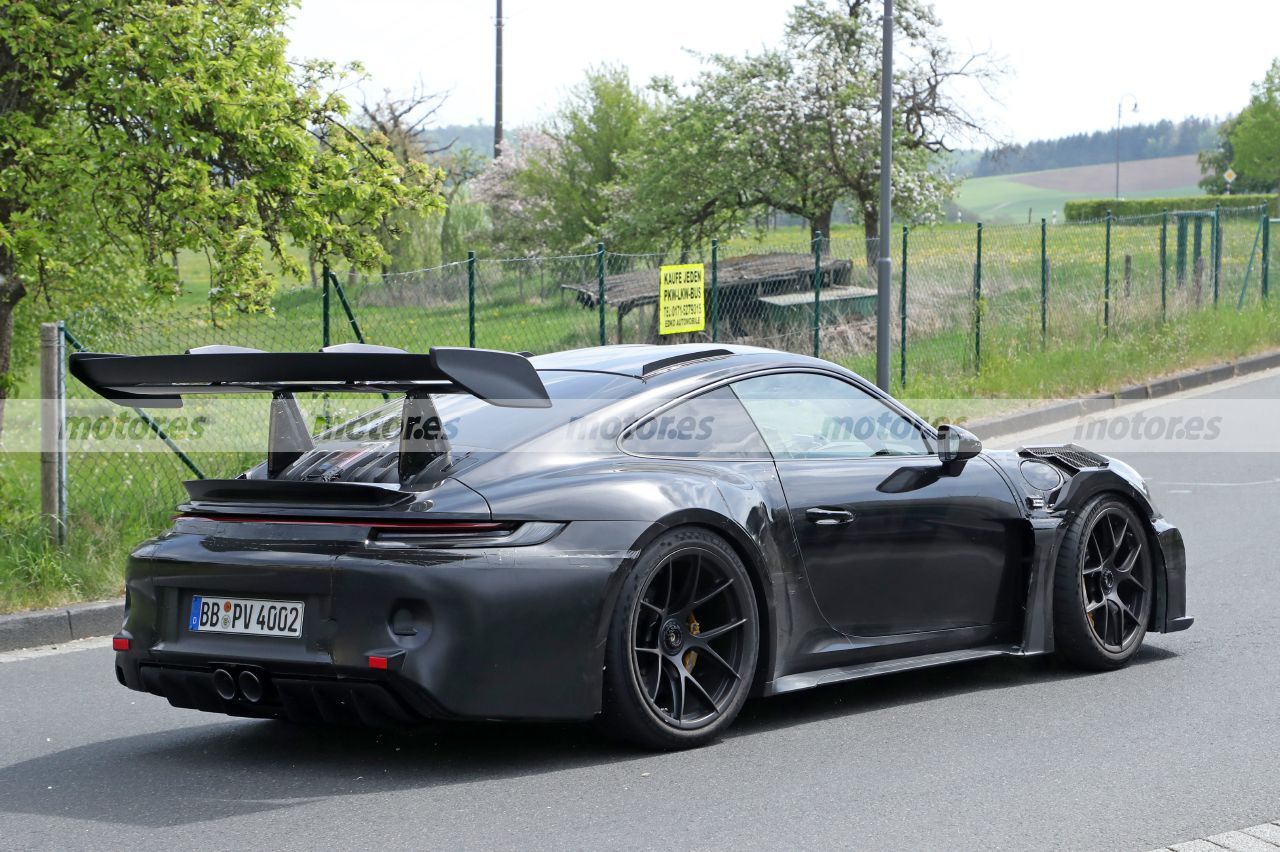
point(1068, 64)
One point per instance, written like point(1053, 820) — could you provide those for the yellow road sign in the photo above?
point(681, 298)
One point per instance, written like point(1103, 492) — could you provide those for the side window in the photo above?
point(713, 425)
point(808, 415)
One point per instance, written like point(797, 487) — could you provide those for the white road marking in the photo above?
point(89, 644)
point(1275, 481)
point(1256, 837)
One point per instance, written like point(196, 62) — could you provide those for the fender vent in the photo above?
point(1069, 455)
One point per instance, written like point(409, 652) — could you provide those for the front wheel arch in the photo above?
point(1144, 510)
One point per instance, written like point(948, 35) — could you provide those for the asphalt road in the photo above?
point(1003, 754)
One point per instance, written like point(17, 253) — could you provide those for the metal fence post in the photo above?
point(715, 292)
point(1044, 283)
point(324, 304)
point(1181, 265)
point(977, 307)
point(902, 316)
point(600, 287)
point(817, 293)
point(346, 308)
point(64, 501)
point(471, 299)
point(1215, 249)
point(1266, 252)
point(1106, 283)
point(1164, 266)
point(52, 434)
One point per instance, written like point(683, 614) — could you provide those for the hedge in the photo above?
point(1090, 209)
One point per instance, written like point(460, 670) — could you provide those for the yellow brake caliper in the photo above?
point(691, 657)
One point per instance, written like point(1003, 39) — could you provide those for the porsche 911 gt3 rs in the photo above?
point(643, 534)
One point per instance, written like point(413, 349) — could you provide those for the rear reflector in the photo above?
point(120, 643)
point(378, 663)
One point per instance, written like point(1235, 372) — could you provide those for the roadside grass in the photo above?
point(32, 573)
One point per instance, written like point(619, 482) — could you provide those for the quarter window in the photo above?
point(712, 425)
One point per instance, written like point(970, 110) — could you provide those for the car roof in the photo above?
point(638, 360)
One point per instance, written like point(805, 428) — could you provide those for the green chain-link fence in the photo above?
point(964, 297)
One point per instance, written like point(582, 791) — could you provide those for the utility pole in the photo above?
point(885, 266)
point(497, 83)
point(1119, 119)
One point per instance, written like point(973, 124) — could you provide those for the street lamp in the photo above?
point(1119, 119)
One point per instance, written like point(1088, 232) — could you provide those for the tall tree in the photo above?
point(132, 129)
point(799, 124)
point(1250, 143)
point(562, 172)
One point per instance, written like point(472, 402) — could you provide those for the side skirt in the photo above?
point(840, 674)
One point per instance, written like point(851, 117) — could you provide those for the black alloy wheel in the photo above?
point(1103, 591)
point(684, 645)
point(1114, 580)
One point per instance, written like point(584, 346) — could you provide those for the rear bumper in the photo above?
point(1172, 616)
point(327, 699)
point(513, 632)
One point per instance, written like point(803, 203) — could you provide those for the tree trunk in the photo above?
point(11, 292)
point(871, 230)
point(820, 224)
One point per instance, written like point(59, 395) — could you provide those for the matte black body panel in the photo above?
point(941, 556)
point(936, 564)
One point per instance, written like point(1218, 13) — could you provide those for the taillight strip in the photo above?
point(424, 526)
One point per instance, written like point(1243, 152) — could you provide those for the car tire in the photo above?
point(682, 645)
point(1103, 585)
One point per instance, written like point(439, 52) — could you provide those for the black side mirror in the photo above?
point(956, 445)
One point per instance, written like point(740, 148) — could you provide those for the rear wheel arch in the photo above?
point(752, 557)
point(634, 706)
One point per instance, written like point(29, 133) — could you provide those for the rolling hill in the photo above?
point(1009, 198)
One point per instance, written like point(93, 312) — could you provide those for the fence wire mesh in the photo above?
point(964, 299)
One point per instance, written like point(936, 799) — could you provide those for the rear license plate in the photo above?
point(244, 616)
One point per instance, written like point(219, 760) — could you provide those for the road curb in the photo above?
point(55, 626)
point(1021, 421)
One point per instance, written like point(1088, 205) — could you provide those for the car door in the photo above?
point(891, 543)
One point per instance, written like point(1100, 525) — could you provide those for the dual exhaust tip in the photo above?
point(248, 686)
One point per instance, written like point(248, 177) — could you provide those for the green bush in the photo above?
point(1092, 209)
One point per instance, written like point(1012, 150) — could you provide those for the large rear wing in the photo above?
point(160, 381)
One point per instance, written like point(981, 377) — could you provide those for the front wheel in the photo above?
point(1103, 586)
point(682, 643)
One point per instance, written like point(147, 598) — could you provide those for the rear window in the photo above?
point(472, 425)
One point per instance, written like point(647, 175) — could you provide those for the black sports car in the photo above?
point(647, 534)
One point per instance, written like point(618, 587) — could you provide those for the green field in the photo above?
point(1009, 198)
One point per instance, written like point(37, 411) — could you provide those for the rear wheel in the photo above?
point(1103, 586)
point(682, 644)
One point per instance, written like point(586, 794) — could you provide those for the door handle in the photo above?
point(829, 517)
